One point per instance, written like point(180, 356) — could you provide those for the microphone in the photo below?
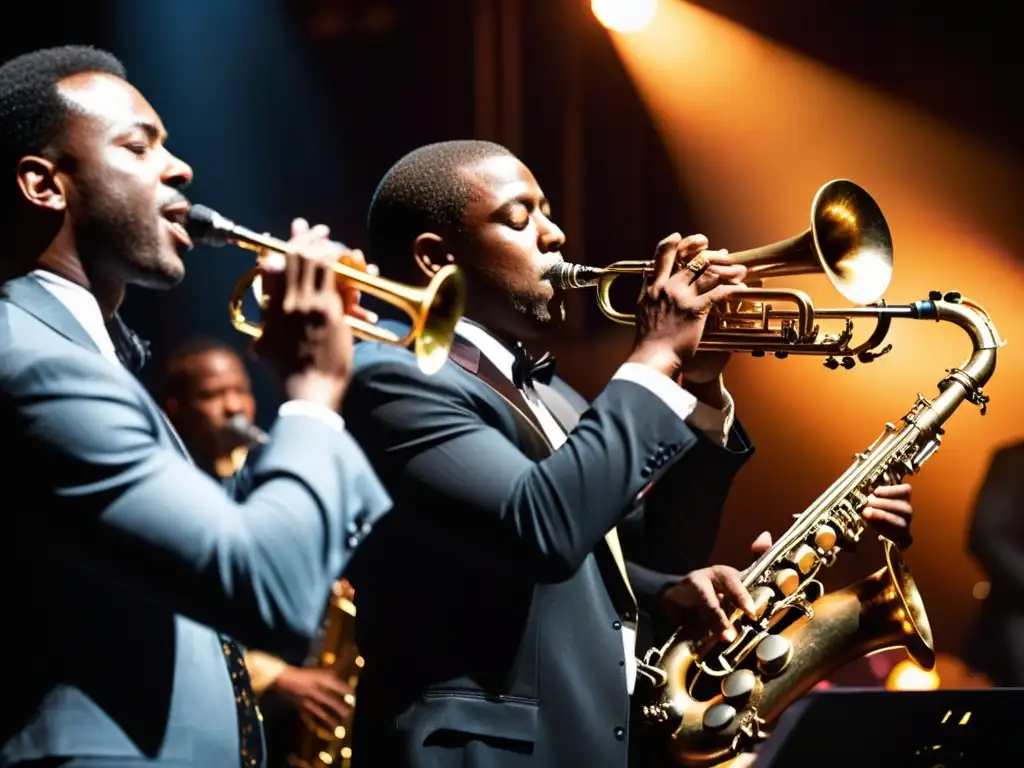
point(248, 431)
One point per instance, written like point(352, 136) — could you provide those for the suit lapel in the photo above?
point(536, 445)
point(28, 294)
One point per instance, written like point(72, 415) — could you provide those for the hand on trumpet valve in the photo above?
point(305, 337)
point(687, 279)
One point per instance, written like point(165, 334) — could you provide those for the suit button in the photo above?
point(620, 733)
point(645, 472)
point(616, 625)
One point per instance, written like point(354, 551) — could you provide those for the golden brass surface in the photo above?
point(335, 649)
point(803, 634)
point(848, 241)
point(433, 310)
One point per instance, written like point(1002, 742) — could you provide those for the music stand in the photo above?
point(875, 728)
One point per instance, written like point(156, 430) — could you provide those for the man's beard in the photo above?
point(540, 310)
point(108, 233)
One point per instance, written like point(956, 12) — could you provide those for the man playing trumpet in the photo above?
point(498, 605)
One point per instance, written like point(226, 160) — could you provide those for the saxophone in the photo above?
point(334, 649)
point(714, 700)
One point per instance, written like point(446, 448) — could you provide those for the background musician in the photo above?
point(498, 618)
point(202, 385)
point(996, 538)
point(132, 571)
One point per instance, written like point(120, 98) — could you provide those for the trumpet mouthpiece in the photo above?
point(204, 225)
point(564, 275)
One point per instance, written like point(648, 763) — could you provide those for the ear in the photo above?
point(38, 181)
point(430, 252)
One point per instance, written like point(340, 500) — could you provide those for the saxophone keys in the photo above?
point(773, 654)
point(825, 538)
point(762, 597)
point(786, 581)
point(718, 716)
point(804, 558)
point(738, 685)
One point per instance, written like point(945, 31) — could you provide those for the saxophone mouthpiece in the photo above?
point(245, 429)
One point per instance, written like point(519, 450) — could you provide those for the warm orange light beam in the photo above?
point(753, 130)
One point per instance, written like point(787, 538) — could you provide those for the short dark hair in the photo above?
point(32, 112)
point(173, 379)
point(423, 192)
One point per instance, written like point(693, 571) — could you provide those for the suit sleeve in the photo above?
point(143, 516)
point(441, 446)
point(681, 542)
point(997, 524)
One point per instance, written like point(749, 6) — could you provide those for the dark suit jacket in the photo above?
point(121, 554)
point(997, 540)
point(487, 609)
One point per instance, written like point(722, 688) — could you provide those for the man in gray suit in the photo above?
point(125, 561)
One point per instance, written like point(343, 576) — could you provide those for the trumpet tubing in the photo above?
point(433, 311)
point(848, 241)
point(713, 699)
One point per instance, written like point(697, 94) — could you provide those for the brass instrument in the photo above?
point(334, 649)
point(434, 310)
point(848, 240)
point(714, 699)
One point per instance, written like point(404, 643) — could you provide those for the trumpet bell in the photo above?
point(443, 303)
point(852, 240)
point(848, 240)
point(433, 311)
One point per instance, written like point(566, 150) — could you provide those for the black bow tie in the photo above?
point(132, 351)
point(526, 369)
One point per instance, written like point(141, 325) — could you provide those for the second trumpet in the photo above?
point(433, 310)
point(848, 241)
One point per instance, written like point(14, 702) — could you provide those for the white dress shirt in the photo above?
point(713, 422)
point(85, 309)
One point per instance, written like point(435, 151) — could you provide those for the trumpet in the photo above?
point(433, 310)
point(848, 241)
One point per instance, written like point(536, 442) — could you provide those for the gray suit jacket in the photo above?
point(121, 554)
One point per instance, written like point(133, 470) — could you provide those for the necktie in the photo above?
point(526, 370)
point(133, 353)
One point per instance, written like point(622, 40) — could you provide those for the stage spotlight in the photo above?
point(907, 676)
point(626, 16)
